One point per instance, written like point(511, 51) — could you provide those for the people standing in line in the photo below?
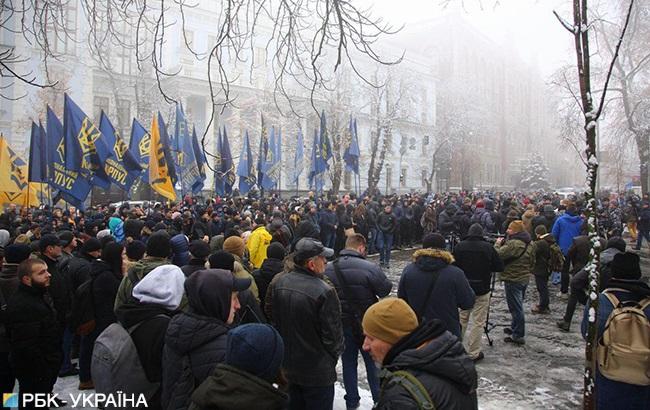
point(518, 256)
point(479, 261)
point(433, 287)
point(307, 313)
point(359, 283)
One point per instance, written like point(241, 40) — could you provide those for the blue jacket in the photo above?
point(365, 280)
point(451, 291)
point(565, 229)
point(180, 250)
point(614, 394)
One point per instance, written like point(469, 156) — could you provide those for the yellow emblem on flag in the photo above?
point(159, 177)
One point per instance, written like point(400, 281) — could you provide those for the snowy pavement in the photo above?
point(546, 373)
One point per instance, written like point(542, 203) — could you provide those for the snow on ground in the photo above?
point(546, 373)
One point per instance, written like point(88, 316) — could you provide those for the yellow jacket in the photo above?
point(258, 241)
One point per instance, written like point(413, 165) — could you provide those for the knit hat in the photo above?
point(91, 245)
point(433, 241)
point(158, 245)
point(516, 226)
point(66, 236)
point(162, 286)
point(616, 242)
point(199, 249)
point(234, 245)
point(476, 230)
point(222, 260)
point(540, 230)
point(276, 251)
point(257, 349)
point(512, 214)
point(135, 250)
point(16, 253)
point(389, 320)
point(626, 266)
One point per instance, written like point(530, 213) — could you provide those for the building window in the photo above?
point(62, 36)
point(100, 103)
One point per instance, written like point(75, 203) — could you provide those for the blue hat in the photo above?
point(257, 349)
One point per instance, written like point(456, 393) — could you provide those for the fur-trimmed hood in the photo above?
point(442, 254)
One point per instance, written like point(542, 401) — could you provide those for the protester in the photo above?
point(426, 352)
point(199, 252)
point(359, 283)
point(386, 227)
point(565, 228)
point(272, 265)
point(433, 287)
point(257, 243)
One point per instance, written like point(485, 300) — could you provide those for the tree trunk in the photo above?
point(643, 147)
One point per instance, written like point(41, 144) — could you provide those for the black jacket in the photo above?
point(133, 228)
point(149, 337)
point(35, 335)
point(441, 365)
point(192, 266)
point(451, 290)
point(105, 286)
point(60, 290)
point(194, 345)
point(478, 259)
point(263, 276)
point(542, 256)
point(365, 281)
point(8, 285)
point(387, 223)
point(78, 270)
point(307, 314)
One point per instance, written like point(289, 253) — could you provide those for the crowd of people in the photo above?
point(238, 302)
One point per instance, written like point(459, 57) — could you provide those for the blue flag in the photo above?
point(245, 167)
point(200, 160)
point(352, 153)
point(272, 164)
point(72, 188)
point(37, 155)
point(123, 169)
point(227, 164)
point(298, 158)
point(219, 184)
point(139, 147)
point(315, 172)
point(188, 165)
point(262, 154)
point(325, 146)
point(85, 151)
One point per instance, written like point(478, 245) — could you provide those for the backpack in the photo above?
point(82, 319)
point(116, 366)
point(623, 350)
point(556, 261)
point(411, 384)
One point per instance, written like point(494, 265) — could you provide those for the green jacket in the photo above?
point(517, 268)
point(140, 268)
point(229, 388)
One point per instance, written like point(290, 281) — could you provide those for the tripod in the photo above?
point(488, 325)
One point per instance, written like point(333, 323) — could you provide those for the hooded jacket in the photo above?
point(140, 269)
point(518, 256)
point(195, 341)
point(565, 228)
point(439, 361)
point(257, 244)
point(229, 388)
point(478, 259)
point(451, 291)
point(180, 250)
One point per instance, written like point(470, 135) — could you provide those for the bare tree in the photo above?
point(592, 110)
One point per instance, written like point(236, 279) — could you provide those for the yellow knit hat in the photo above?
point(389, 320)
point(516, 226)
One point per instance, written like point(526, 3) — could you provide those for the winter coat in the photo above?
point(194, 345)
point(8, 285)
point(387, 223)
point(483, 217)
point(517, 262)
point(451, 291)
point(149, 337)
point(565, 228)
point(243, 273)
point(614, 394)
point(229, 388)
point(365, 281)
point(180, 247)
point(192, 266)
point(140, 269)
point(199, 230)
point(446, 222)
point(60, 291)
point(580, 280)
point(257, 243)
point(35, 335)
point(104, 291)
point(265, 274)
point(78, 270)
point(133, 228)
point(547, 219)
point(644, 219)
point(542, 256)
point(307, 313)
point(439, 362)
point(478, 259)
point(429, 221)
point(327, 221)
